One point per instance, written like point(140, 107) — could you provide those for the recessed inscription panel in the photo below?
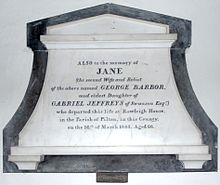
point(109, 98)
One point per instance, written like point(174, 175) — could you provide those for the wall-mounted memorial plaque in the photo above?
point(110, 91)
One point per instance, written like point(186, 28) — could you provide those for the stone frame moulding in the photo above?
point(130, 159)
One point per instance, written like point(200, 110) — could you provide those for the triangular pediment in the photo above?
point(108, 24)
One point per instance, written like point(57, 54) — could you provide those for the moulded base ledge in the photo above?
point(28, 158)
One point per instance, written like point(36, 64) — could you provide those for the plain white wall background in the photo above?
point(203, 60)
